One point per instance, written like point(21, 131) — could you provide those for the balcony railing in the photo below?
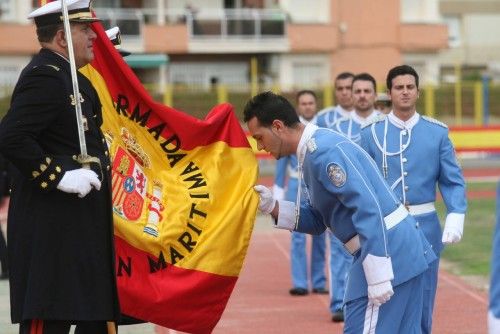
point(203, 24)
point(237, 23)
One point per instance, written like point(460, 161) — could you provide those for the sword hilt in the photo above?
point(86, 160)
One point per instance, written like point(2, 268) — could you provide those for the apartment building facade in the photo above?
point(288, 43)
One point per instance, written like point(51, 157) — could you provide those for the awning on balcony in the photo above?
point(151, 60)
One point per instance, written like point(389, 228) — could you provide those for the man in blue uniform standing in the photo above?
point(346, 193)
point(340, 260)
point(343, 96)
point(364, 93)
point(414, 154)
point(287, 166)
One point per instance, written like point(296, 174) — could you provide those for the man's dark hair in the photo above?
point(365, 77)
point(305, 92)
point(400, 70)
point(267, 107)
point(344, 75)
point(46, 33)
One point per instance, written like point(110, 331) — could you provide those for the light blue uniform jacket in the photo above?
point(350, 126)
point(426, 157)
point(328, 117)
point(348, 194)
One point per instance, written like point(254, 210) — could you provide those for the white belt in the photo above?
point(395, 217)
point(421, 209)
point(391, 220)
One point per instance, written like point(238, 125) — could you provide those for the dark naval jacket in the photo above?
point(61, 249)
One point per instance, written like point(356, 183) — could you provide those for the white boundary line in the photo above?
point(460, 287)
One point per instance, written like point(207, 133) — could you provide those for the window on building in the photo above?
point(309, 75)
point(454, 31)
point(423, 11)
point(7, 10)
point(313, 11)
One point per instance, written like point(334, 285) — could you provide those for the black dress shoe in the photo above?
point(338, 316)
point(298, 292)
point(320, 291)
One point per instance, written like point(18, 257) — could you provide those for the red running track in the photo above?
point(261, 303)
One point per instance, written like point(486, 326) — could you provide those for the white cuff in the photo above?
point(278, 193)
point(455, 221)
point(377, 269)
point(286, 215)
point(493, 324)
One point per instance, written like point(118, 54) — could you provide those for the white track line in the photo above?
point(460, 287)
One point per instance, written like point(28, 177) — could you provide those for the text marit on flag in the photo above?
point(130, 184)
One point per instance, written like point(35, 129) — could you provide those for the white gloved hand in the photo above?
point(79, 181)
point(453, 230)
point(380, 293)
point(278, 193)
point(266, 202)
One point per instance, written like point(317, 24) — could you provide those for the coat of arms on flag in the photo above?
point(130, 184)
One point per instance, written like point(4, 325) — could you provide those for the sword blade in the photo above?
point(74, 80)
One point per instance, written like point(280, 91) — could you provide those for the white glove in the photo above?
point(79, 181)
point(278, 193)
point(266, 202)
point(453, 228)
point(380, 293)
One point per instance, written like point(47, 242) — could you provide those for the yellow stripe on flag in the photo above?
point(201, 211)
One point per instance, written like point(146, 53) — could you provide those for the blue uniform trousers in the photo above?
point(429, 223)
point(340, 262)
point(298, 252)
point(299, 261)
point(430, 285)
point(401, 314)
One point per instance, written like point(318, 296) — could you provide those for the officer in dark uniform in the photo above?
point(4, 194)
point(61, 249)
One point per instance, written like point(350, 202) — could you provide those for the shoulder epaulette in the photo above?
point(435, 121)
point(53, 66)
point(376, 119)
point(311, 145)
point(325, 110)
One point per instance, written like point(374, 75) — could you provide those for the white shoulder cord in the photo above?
point(300, 159)
point(385, 153)
point(329, 123)
point(349, 128)
point(339, 121)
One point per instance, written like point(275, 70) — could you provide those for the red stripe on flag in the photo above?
point(186, 300)
point(118, 193)
point(220, 124)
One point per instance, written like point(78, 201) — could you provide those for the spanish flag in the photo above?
point(183, 201)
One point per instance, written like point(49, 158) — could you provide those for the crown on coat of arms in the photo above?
point(133, 147)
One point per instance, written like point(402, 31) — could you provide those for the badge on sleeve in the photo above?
point(336, 174)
